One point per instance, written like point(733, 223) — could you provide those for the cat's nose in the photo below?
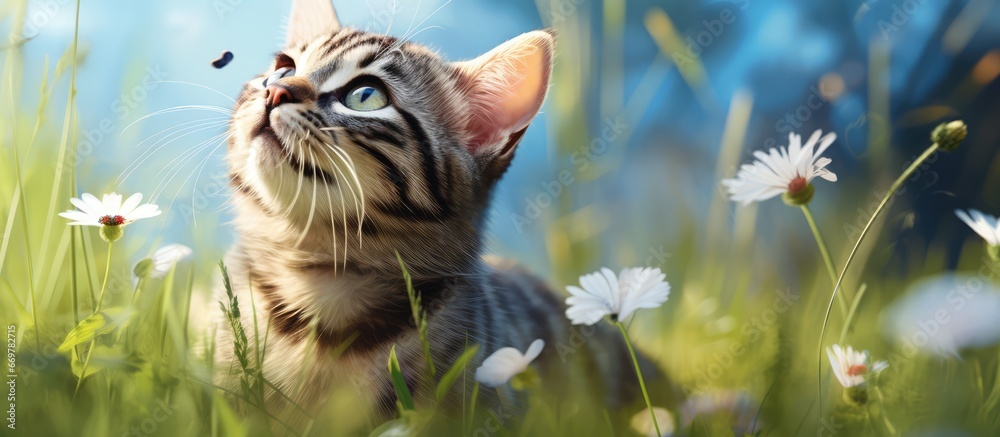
point(275, 95)
point(291, 89)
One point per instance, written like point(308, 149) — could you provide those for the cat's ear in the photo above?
point(309, 19)
point(505, 89)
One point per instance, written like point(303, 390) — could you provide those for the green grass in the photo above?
point(102, 350)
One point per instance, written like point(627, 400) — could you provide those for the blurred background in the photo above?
point(651, 104)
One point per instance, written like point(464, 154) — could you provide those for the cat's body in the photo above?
point(359, 147)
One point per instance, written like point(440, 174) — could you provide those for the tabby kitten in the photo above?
point(352, 147)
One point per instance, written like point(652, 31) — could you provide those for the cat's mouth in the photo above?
point(266, 133)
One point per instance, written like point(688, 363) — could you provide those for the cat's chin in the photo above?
point(265, 138)
point(270, 152)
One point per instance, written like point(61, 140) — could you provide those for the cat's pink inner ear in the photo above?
point(505, 89)
point(310, 19)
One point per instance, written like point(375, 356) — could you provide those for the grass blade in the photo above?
point(398, 382)
point(454, 372)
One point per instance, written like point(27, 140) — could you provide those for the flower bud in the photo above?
point(799, 195)
point(143, 267)
point(856, 395)
point(949, 135)
point(112, 233)
point(526, 380)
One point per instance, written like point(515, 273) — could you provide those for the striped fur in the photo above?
point(325, 201)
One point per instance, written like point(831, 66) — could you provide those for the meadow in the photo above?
point(103, 340)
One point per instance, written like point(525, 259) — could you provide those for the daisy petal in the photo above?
point(774, 171)
point(144, 211)
point(85, 207)
point(95, 204)
point(534, 349)
point(130, 204)
point(606, 294)
point(78, 216)
point(112, 203)
point(506, 363)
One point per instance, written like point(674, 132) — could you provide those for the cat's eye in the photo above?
point(278, 74)
point(366, 97)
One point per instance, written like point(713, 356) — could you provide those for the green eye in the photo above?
point(367, 97)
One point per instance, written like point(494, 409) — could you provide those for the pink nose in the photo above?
point(275, 95)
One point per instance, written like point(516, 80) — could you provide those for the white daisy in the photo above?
point(984, 224)
point(852, 367)
point(165, 257)
point(783, 171)
point(944, 314)
point(507, 363)
point(604, 294)
point(109, 212)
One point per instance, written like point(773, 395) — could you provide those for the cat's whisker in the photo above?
point(370, 9)
point(197, 169)
point(222, 187)
point(359, 204)
point(199, 86)
point(194, 185)
point(406, 36)
point(343, 207)
point(359, 195)
point(392, 18)
point(388, 30)
point(421, 31)
point(285, 160)
point(176, 134)
point(181, 108)
point(333, 228)
point(188, 154)
point(164, 182)
point(409, 27)
point(312, 205)
point(295, 148)
point(199, 122)
point(333, 222)
point(298, 186)
point(185, 158)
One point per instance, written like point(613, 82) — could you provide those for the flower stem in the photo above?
point(852, 312)
point(824, 252)
point(104, 285)
point(850, 258)
point(97, 309)
point(638, 373)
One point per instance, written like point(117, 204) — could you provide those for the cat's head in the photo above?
point(346, 121)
